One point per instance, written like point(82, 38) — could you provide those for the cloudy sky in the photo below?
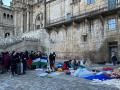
point(6, 2)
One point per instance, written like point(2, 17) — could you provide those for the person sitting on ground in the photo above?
point(78, 63)
point(70, 63)
point(65, 66)
point(75, 65)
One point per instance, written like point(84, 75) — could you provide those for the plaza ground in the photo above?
point(31, 81)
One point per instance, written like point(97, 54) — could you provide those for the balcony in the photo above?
point(91, 12)
point(59, 21)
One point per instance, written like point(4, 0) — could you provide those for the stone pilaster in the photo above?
point(28, 20)
point(15, 23)
point(21, 27)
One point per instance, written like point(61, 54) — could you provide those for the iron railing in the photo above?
point(85, 12)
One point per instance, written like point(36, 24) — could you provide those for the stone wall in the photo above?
point(87, 38)
point(6, 21)
point(68, 41)
point(22, 46)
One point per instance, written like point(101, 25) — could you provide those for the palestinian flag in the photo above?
point(40, 61)
point(44, 60)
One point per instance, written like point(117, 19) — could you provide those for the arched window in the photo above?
point(7, 34)
point(4, 15)
point(11, 16)
point(39, 21)
point(8, 16)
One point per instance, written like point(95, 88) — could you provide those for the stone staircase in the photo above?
point(33, 36)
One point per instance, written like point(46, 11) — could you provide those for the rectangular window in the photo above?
point(112, 24)
point(38, 27)
point(76, 1)
point(112, 4)
point(84, 38)
point(90, 1)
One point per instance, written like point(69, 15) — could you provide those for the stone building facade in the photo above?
point(6, 21)
point(84, 28)
point(71, 28)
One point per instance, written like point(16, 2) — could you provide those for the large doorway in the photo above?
point(113, 49)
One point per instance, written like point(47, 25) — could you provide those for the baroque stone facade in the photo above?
point(6, 21)
point(84, 28)
point(71, 28)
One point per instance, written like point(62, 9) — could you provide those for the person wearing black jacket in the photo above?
point(13, 63)
point(1, 64)
point(52, 61)
point(24, 61)
point(53, 57)
point(114, 60)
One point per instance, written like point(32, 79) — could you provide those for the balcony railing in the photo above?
point(86, 12)
point(58, 21)
point(96, 10)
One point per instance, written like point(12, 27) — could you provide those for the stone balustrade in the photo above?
point(33, 36)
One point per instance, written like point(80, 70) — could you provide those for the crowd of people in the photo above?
point(17, 62)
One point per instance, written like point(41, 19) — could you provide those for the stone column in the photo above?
point(21, 26)
point(15, 23)
point(1, 32)
point(28, 21)
point(118, 36)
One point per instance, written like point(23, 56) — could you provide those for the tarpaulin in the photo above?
point(100, 77)
point(83, 72)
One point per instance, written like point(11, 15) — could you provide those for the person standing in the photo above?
point(6, 61)
point(18, 62)
point(24, 62)
point(53, 60)
point(29, 63)
point(114, 59)
point(54, 56)
point(13, 63)
point(1, 63)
